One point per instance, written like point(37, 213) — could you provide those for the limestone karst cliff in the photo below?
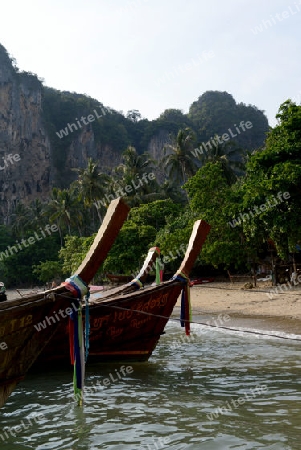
point(33, 158)
point(46, 133)
point(25, 175)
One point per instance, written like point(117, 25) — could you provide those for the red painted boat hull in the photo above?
point(127, 328)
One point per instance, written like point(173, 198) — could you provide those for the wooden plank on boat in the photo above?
point(113, 221)
point(196, 241)
point(126, 323)
point(21, 319)
point(130, 326)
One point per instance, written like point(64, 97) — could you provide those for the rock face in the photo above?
point(36, 154)
point(24, 146)
point(31, 162)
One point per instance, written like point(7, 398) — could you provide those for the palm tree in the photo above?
point(21, 219)
point(171, 189)
point(64, 210)
point(134, 165)
point(178, 162)
point(228, 154)
point(135, 173)
point(91, 186)
point(37, 209)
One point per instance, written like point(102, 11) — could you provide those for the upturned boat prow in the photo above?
point(140, 279)
point(116, 214)
point(128, 326)
point(56, 352)
point(29, 323)
point(197, 238)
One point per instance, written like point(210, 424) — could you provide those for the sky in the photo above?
point(152, 55)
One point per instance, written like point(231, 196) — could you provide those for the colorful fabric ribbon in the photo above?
point(77, 352)
point(76, 334)
point(87, 326)
point(76, 285)
point(158, 269)
point(186, 312)
point(137, 283)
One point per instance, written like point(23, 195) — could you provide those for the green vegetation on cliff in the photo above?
point(219, 162)
point(244, 211)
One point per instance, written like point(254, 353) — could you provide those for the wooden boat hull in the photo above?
point(23, 342)
point(22, 334)
point(126, 328)
point(128, 325)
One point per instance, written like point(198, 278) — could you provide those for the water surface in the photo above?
point(220, 390)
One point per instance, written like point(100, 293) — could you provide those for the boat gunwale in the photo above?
point(44, 297)
point(141, 292)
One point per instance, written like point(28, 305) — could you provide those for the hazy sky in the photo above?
point(152, 55)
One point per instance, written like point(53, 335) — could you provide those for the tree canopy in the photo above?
point(245, 212)
point(274, 178)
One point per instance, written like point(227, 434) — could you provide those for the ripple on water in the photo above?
point(196, 395)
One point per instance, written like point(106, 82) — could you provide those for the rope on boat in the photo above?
point(76, 285)
point(137, 283)
point(173, 319)
point(202, 323)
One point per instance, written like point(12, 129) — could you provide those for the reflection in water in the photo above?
point(195, 395)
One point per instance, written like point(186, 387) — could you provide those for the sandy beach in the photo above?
point(227, 297)
point(250, 308)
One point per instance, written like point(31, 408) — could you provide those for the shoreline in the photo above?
point(231, 306)
point(247, 308)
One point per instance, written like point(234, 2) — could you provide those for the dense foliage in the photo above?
point(245, 208)
point(215, 112)
point(212, 114)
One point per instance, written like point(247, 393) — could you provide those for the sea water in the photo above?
point(219, 390)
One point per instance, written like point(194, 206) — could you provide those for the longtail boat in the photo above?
point(57, 350)
point(128, 326)
point(22, 338)
point(126, 322)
